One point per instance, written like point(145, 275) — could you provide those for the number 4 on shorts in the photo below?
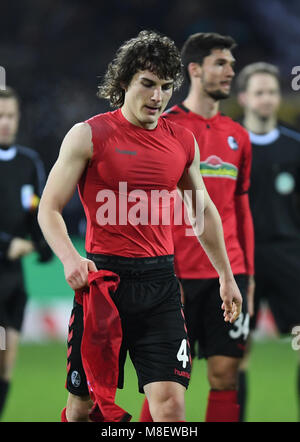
point(182, 354)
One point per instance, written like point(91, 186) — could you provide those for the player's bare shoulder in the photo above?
point(79, 140)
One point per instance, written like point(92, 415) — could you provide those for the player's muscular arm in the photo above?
point(75, 152)
point(212, 238)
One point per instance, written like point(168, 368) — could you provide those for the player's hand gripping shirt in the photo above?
point(120, 188)
point(225, 155)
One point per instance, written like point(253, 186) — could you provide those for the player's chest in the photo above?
point(148, 162)
point(220, 153)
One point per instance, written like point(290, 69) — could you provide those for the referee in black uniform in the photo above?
point(22, 179)
point(274, 197)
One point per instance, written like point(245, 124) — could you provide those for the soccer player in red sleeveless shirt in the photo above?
point(116, 159)
point(225, 167)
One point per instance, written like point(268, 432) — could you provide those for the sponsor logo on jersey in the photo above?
point(126, 152)
point(233, 144)
point(215, 167)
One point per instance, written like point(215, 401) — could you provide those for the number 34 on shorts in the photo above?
point(240, 327)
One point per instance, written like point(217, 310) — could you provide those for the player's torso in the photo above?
point(130, 164)
point(221, 147)
point(143, 159)
point(221, 154)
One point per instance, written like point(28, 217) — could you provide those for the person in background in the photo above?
point(22, 178)
point(274, 200)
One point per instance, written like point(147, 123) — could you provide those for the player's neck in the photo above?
point(201, 104)
point(131, 117)
point(257, 125)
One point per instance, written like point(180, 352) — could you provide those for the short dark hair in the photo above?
point(199, 45)
point(149, 50)
point(9, 92)
point(260, 67)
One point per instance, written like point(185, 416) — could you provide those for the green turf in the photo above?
point(37, 392)
point(46, 283)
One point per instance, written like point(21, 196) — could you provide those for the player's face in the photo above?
point(9, 120)
point(146, 98)
point(217, 73)
point(262, 96)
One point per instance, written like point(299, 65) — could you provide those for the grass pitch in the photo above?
point(37, 392)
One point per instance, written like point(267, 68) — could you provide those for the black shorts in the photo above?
point(205, 321)
point(277, 280)
point(153, 325)
point(13, 296)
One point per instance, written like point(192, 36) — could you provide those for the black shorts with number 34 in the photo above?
point(205, 321)
point(153, 324)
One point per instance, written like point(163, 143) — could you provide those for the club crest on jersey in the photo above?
point(75, 378)
point(233, 144)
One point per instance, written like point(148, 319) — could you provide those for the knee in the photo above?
point(223, 378)
point(78, 409)
point(171, 409)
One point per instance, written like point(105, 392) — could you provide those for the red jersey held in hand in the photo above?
point(225, 155)
point(120, 187)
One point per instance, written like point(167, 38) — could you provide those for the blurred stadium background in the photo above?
point(54, 52)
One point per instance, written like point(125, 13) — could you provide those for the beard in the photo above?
point(217, 94)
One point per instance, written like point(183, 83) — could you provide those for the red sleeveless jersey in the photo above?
point(120, 188)
point(225, 155)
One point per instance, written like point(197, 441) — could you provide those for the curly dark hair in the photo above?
point(148, 51)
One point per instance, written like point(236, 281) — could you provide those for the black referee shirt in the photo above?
point(275, 184)
point(22, 178)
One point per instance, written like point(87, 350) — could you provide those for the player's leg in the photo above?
point(166, 401)
point(12, 308)
point(243, 381)
point(79, 404)
point(261, 288)
point(194, 314)
point(161, 355)
point(223, 379)
point(224, 345)
point(193, 311)
point(7, 363)
point(78, 408)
